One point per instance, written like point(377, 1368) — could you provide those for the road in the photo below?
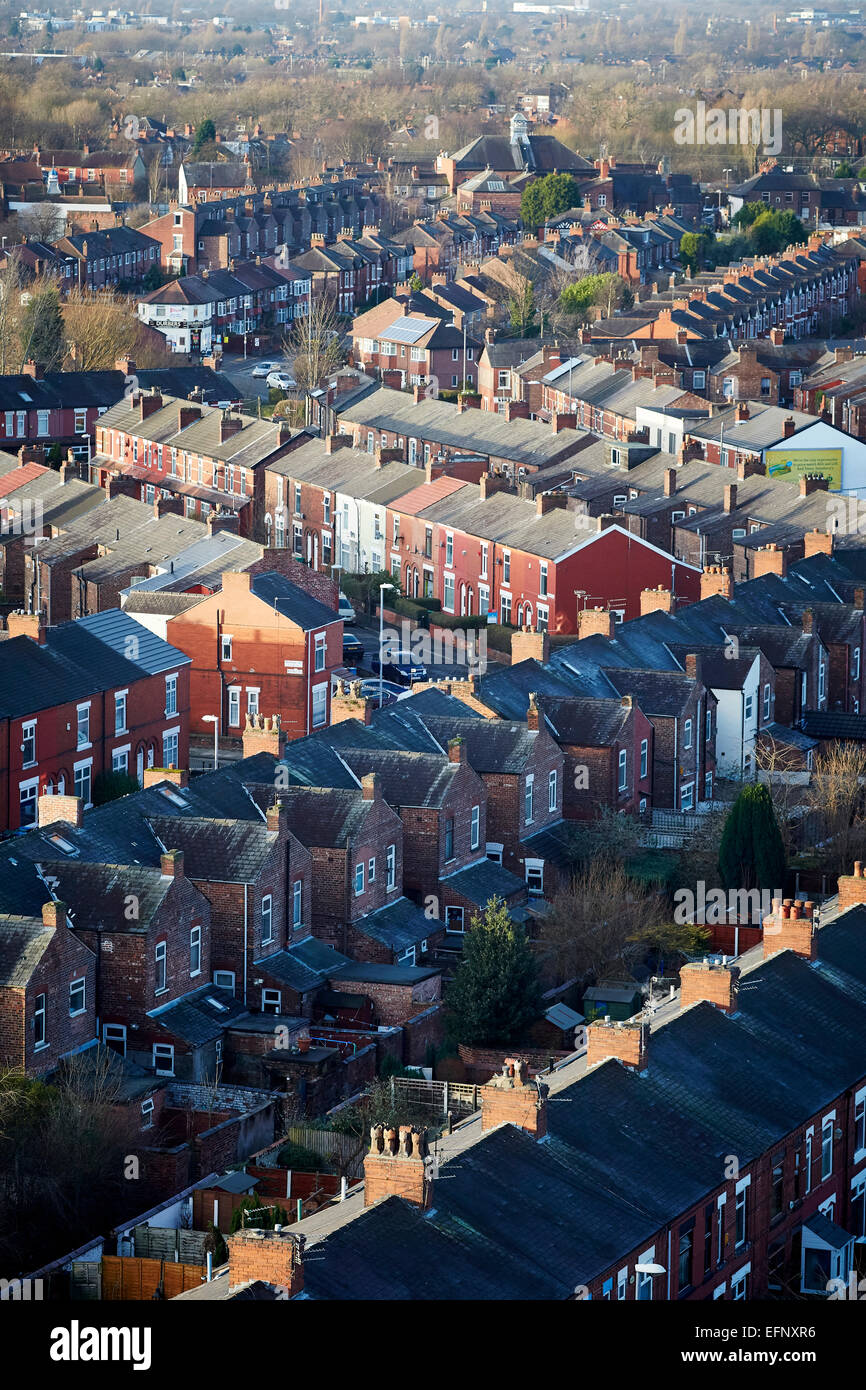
point(241, 372)
point(368, 631)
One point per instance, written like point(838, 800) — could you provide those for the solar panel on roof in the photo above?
point(407, 330)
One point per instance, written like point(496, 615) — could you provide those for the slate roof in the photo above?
point(626, 1154)
point(483, 881)
point(320, 816)
point(98, 894)
point(221, 851)
point(201, 1017)
point(491, 745)
point(406, 779)
point(399, 925)
point(299, 607)
point(23, 943)
point(831, 726)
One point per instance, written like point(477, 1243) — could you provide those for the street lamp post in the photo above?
point(382, 588)
point(214, 719)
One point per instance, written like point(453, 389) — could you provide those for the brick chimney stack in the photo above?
point(716, 579)
point(149, 404)
point(527, 645)
point(512, 1098)
point(709, 981)
point(154, 775)
point(627, 1042)
point(395, 1166)
point(659, 600)
point(533, 713)
point(274, 1257)
point(592, 622)
point(186, 414)
point(54, 914)
point(370, 787)
point(171, 863)
point(770, 559)
point(813, 482)
point(229, 425)
point(789, 927)
point(21, 624)
point(263, 734)
point(788, 427)
point(670, 482)
point(456, 750)
point(817, 542)
point(852, 887)
point(730, 497)
point(53, 807)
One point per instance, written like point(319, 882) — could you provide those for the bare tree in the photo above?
point(100, 327)
point(836, 795)
point(313, 344)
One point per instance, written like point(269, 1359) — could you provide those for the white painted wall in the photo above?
point(735, 733)
point(824, 436)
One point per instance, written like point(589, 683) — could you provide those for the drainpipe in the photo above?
point(245, 933)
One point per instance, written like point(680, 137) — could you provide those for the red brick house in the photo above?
point(97, 695)
point(47, 990)
point(260, 646)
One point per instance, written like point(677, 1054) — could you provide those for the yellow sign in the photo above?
point(790, 465)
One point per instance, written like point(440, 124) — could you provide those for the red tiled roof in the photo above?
point(24, 473)
point(424, 496)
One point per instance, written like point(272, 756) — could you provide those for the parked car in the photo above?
point(281, 381)
point(264, 368)
point(345, 610)
point(369, 690)
point(400, 669)
point(353, 649)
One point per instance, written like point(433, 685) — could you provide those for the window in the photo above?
point(506, 567)
point(81, 783)
point(739, 1283)
point(808, 1165)
point(607, 1290)
point(827, 1147)
point(475, 828)
point(449, 550)
point(699, 381)
point(120, 759)
point(644, 757)
point(320, 704)
point(687, 796)
point(225, 648)
point(160, 962)
point(449, 839)
point(527, 800)
point(708, 1238)
point(687, 734)
point(234, 705)
point(708, 786)
point(42, 418)
point(321, 642)
point(169, 748)
point(359, 879)
point(195, 951)
point(163, 1059)
point(767, 702)
point(855, 672)
point(39, 1036)
point(750, 706)
point(505, 608)
point(454, 919)
point(147, 1113)
point(271, 1001)
point(644, 1286)
point(623, 770)
point(534, 875)
point(484, 553)
point(720, 1227)
point(28, 793)
point(120, 712)
point(171, 694)
point(448, 593)
point(622, 1285)
point(224, 979)
point(267, 919)
point(542, 582)
point(297, 902)
point(686, 1251)
point(28, 743)
point(114, 1036)
point(860, 1125)
point(391, 867)
point(820, 683)
point(77, 992)
point(84, 726)
point(552, 791)
point(741, 1211)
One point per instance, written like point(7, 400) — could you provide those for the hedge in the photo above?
point(408, 608)
point(431, 604)
point(499, 637)
point(458, 620)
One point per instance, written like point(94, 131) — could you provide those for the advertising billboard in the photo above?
point(790, 465)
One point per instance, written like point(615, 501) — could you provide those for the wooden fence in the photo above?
point(127, 1278)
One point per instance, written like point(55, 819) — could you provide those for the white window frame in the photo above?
point(163, 1051)
point(391, 867)
point(160, 960)
point(194, 952)
point(623, 770)
point(76, 986)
